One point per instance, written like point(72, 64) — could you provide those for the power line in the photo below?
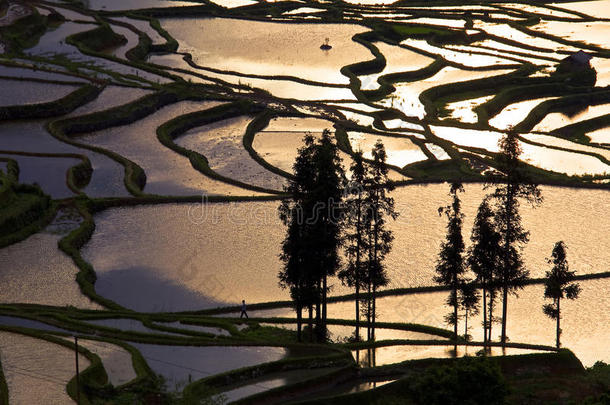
point(175, 364)
point(54, 380)
point(34, 374)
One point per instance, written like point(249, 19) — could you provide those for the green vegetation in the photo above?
point(399, 32)
point(572, 102)
point(55, 108)
point(501, 380)
point(71, 245)
point(472, 381)
point(25, 32)
point(555, 377)
point(171, 130)
point(97, 39)
point(3, 384)
point(24, 209)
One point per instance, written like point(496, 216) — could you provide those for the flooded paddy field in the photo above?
point(14, 92)
point(211, 264)
point(270, 49)
point(36, 371)
point(165, 132)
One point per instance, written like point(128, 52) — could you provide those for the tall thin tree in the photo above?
point(512, 185)
point(326, 223)
point(469, 302)
point(558, 285)
point(355, 237)
point(483, 259)
point(379, 207)
point(295, 274)
point(450, 266)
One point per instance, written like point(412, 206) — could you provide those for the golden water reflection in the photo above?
point(37, 371)
point(395, 354)
point(269, 48)
point(215, 254)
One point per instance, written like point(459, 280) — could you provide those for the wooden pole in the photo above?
point(77, 373)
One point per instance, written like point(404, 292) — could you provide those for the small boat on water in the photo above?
point(326, 45)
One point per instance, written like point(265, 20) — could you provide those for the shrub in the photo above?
point(467, 381)
point(25, 32)
point(98, 39)
point(600, 375)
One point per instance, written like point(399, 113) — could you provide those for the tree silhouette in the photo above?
point(450, 263)
point(379, 206)
point(512, 185)
point(469, 302)
point(355, 237)
point(310, 251)
point(326, 221)
point(295, 274)
point(483, 259)
point(558, 285)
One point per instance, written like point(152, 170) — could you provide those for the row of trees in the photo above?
point(495, 256)
point(326, 214)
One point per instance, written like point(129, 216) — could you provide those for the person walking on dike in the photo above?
point(243, 309)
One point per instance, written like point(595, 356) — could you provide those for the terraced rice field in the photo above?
point(165, 131)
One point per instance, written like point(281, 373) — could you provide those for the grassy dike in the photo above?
point(281, 394)
point(168, 132)
point(351, 297)
point(70, 129)
point(327, 359)
point(335, 357)
point(66, 130)
point(93, 42)
point(145, 44)
point(574, 101)
point(75, 240)
point(520, 93)
point(3, 387)
point(97, 39)
point(525, 376)
point(71, 245)
point(256, 125)
point(95, 385)
point(24, 209)
point(578, 131)
point(79, 175)
point(94, 382)
point(25, 32)
point(93, 377)
point(432, 98)
point(55, 108)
